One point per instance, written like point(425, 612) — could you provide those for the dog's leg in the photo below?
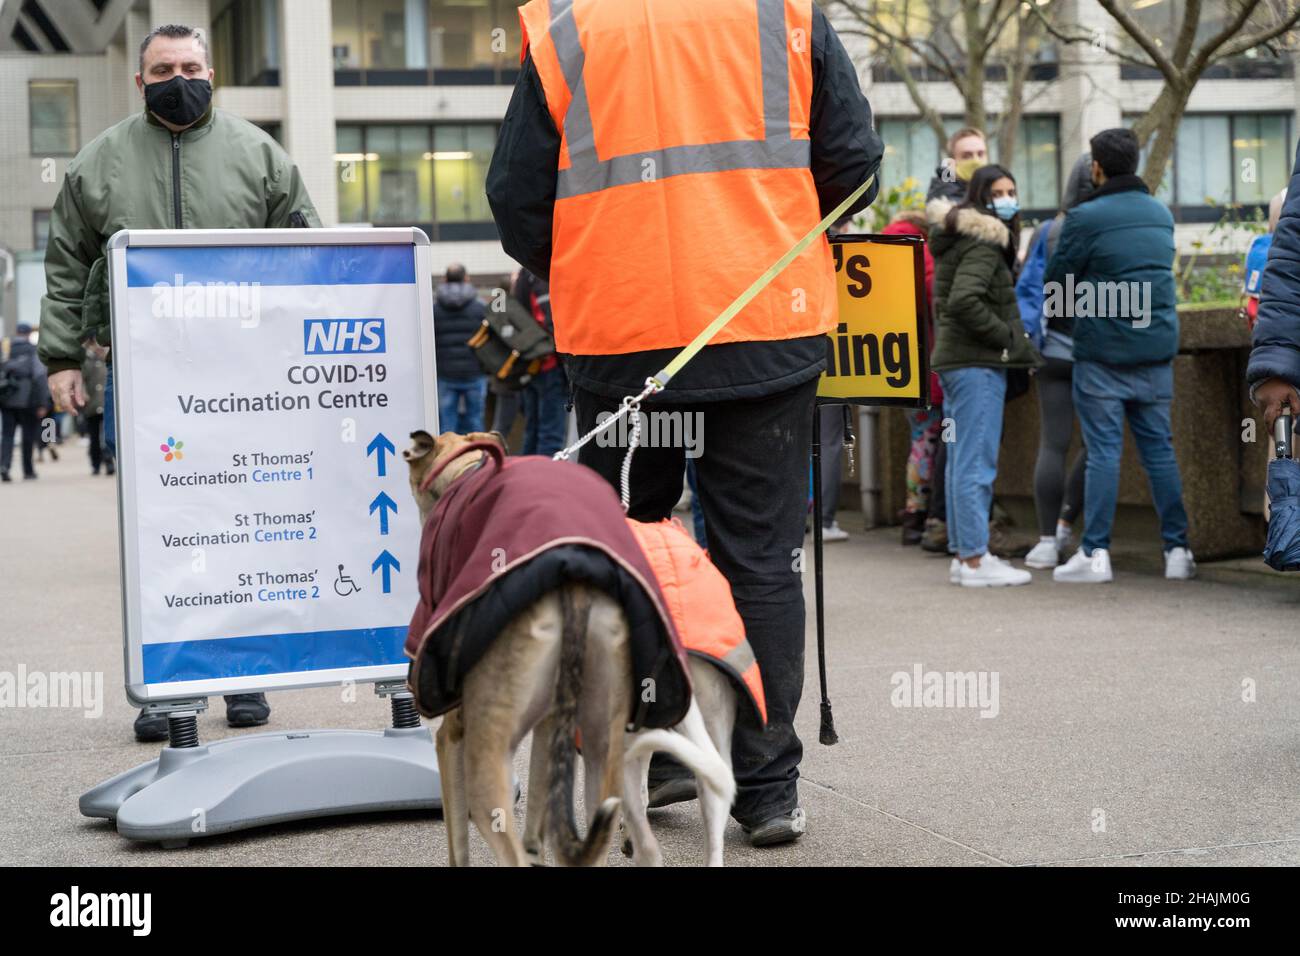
point(489, 794)
point(539, 772)
point(451, 768)
point(715, 720)
point(645, 848)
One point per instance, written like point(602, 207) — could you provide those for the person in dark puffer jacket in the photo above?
point(462, 386)
point(1274, 369)
point(978, 338)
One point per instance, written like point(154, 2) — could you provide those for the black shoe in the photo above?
point(54, 453)
point(150, 728)
point(4, 476)
point(247, 710)
point(110, 468)
point(673, 790)
point(786, 828)
point(31, 477)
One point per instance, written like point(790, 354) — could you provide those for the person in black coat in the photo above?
point(25, 402)
point(462, 386)
point(1274, 369)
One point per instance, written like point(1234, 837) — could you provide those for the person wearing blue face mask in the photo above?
point(978, 338)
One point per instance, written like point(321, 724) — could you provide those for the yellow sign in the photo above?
point(877, 354)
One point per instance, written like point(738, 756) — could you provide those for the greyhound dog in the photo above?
point(561, 665)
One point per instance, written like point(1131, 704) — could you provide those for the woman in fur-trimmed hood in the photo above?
point(978, 338)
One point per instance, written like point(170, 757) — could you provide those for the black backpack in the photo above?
point(510, 346)
point(16, 381)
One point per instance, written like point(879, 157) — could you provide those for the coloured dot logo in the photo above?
point(171, 449)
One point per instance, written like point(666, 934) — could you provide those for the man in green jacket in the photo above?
point(178, 164)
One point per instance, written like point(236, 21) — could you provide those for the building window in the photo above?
point(1220, 159)
point(416, 175)
point(40, 228)
point(415, 42)
point(245, 43)
point(53, 113)
point(912, 150)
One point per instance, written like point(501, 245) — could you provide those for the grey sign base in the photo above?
point(251, 781)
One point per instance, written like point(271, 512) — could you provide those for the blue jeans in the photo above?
point(973, 398)
point(546, 420)
point(450, 393)
point(1104, 396)
point(110, 416)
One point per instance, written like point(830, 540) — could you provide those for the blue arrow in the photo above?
point(384, 504)
point(378, 445)
point(388, 563)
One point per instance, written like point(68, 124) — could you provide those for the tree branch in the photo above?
point(1259, 39)
point(1142, 39)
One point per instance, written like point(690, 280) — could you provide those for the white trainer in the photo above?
point(993, 572)
point(1085, 569)
point(833, 532)
point(954, 572)
point(1045, 554)
point(1179, 564)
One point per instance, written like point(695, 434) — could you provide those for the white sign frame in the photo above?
point(137, 691)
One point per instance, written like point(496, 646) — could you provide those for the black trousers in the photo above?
point(95, 432)
point(753, 485)
point(24, 418)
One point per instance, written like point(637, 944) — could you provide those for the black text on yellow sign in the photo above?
point(876, 354)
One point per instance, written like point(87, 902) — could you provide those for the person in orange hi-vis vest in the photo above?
point(656, 158)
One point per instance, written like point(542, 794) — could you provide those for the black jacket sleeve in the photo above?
point(521, 177)
point(845, 147)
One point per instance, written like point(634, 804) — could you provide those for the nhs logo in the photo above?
point(332, 336)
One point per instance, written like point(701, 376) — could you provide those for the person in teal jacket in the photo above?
point(1113, 273)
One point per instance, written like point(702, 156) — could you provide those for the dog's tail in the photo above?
point(571, 849)
point(710, 769)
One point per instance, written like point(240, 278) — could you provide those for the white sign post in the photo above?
point(263, 382)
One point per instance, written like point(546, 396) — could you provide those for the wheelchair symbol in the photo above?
point(345, 586)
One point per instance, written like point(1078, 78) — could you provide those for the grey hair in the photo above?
point(175, 31)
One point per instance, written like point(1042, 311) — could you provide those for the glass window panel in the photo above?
point(40, 228)
point(460, 159)
point(1259, 156)
point(1036, 164)
point(911, 151)
point(346, 38)
point(383, 26)
point(53, 113)
point(460, 33)
point(350, 164)
point(1202, 164)
point(394, 157)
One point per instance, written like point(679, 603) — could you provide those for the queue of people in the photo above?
point(1004, 323)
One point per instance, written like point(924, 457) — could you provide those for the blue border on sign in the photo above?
point(272, 654)
point(375, 264)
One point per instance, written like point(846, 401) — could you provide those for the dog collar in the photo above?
point(492, 448)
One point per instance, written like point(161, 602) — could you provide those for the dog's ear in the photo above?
point(424, 443)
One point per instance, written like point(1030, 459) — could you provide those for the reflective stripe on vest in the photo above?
point(681, 121)
point(588, 173)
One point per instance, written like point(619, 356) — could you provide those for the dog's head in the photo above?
point(427, 453)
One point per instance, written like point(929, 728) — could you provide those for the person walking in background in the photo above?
point(545, 397)
point(94, 377)
point(1058, 498)
point(925, 423)
point(462, 386)
point(968, 150)
point(979, 338)
point(1121, 238)
point(1274, 369)
point(24, 400)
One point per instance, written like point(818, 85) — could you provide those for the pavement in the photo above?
point(1143, 722)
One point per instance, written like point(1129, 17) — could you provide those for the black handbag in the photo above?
point(511, 345)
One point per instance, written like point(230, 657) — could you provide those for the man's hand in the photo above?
point(68, 390)
point(1270, 394)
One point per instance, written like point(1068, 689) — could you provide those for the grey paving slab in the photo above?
point(1125, 731)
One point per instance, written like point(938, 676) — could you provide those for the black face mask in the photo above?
point(179, 101)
